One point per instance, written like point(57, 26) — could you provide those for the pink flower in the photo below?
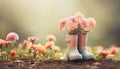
point(62, 24)
point(32, 39)
point(71, 23)
point(34, 47)
point(7, 42)
point(71, 26)
point(79, 15)
point(71, 19)
point(3, 42)
point(92, 22)
point(12, 36)
point(51, 38)
point(85, 23)
point(27, 43)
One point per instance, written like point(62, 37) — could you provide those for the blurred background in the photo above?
point(40, 18)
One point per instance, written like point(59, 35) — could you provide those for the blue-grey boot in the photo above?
point(82, 42)
point(74, 55)
point(72, 51)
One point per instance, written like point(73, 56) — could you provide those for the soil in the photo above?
point(58, 64)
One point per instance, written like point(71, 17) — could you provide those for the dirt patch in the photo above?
point(79, 64)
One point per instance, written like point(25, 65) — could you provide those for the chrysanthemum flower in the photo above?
point(72, 19)
point(27, 44)
point(51, 38)
point(79, 15)
point(71, 25)
point(32, 39)
point(85, 23)
point(2, 41)
point(12, 36)
point(114, 50)
point(40, 49)
point(92, 22)
point(13, 53)
point(7, 42)
point(62, 24)
point(104, 53)
point(56, 48)
point(49, 45)
point(34, 47)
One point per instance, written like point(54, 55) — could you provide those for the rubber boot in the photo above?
point(82, 42)
point(72, 45)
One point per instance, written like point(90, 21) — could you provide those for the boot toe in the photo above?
point(86, 54)
point(74, 55)
point(89, 56)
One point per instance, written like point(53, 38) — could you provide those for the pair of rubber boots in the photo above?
point(76, 47)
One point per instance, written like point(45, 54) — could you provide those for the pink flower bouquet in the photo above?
point(77, 24)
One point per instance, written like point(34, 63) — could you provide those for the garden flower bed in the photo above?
point(29, 55)
point(28, 49)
